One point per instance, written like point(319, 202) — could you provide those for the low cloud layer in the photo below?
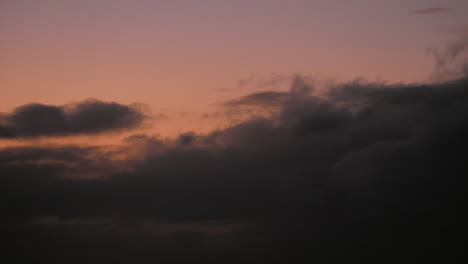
point(364, 169)
point(88, 117)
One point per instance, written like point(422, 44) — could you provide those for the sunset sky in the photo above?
point(243, 131)
point(182, 57)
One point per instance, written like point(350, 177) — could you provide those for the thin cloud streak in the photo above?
point(432, 11)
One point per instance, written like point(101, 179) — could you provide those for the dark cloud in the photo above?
point(366, 169)
point(262, 99)
point(262, 104)
point(432, 11)
point(299, 86)
point(89, 117)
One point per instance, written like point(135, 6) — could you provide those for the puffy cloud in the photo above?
point(88, 117)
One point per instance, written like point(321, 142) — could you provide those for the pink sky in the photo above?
point(181, 57)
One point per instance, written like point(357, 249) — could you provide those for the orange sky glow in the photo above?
point(183, 60)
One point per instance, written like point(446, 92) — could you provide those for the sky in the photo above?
point(180, 57)
point(232, 131)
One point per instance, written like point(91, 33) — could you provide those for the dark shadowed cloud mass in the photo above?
point(88, 117)
point(365, 169)
point(432, 11)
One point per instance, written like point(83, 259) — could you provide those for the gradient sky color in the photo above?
point(178, 56)
point(233, 131)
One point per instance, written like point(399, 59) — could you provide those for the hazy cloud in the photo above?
point(456, 29)
point(432, 11)
point(451, 62)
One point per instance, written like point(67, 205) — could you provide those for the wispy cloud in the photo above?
point(456, 29)
point(432, 11)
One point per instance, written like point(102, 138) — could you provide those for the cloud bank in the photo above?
point(366, 169)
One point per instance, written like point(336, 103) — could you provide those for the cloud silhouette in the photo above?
point(364, 169)
point(88, 117)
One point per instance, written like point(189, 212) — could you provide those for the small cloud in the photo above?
point(88, 117)
point(268, 98)
point(432, 11)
